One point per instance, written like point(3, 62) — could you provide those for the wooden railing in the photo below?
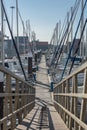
point(70, 99)
point(17, 99)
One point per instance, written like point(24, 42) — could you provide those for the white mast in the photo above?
point(24, 36)
point(71, 25)
point(82, 24)
point(2, 46)
point(12, 8)
point(28, 29)
point(71, 29)
point(17, 24)
point(2, 36)
point(67, 33)
point(57, 27)
point(59, 30)
point(86, 45)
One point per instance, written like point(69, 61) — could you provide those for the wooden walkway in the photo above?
point(43, 116)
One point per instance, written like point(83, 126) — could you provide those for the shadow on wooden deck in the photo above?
point(38, 119)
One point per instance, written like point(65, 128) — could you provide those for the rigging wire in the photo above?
point(14, 43)
point(64, 35)
point(50, 45)
point(68, 32)
point(24, 30)
point(58, 46)
point(73, 42)
point(79, 42)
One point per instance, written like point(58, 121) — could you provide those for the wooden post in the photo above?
point(36, 58)
point(75, 100)
point(6, 110)
point(2, 59)
point(83, 105)
point(63, 102)
point(71, 105)
point(1, 98)
point(67, 98)
point(30, 65)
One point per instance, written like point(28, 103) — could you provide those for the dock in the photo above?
point(43, 116)
point(43, 84)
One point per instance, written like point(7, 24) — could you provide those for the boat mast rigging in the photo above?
point(15, 46)
point(74, 39)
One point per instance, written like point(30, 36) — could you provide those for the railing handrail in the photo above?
point(76, 71)
point(5, 70)
point(70, 98)
point(17, 98)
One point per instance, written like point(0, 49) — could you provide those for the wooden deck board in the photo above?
point(43, 97)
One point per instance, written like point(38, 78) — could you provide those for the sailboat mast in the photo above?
point(72, 30)
point(17, 24)
point(2, 36)
point(67, 33)
point(81, 26)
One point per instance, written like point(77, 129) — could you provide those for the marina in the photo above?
point(43, 85)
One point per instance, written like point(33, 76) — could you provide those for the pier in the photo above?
point(44, 115)
point(43, 86)
point(36, 107)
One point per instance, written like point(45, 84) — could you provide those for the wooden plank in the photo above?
point(6, 112)
point(67, 101)
point(75, 100)
point(83, 106)
point(6, 71)
point(71, 106)
point(75, 95)
point(31, 120)
point(43, 98)
point(57, 121)
point(82, 124)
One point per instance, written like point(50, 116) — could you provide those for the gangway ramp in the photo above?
point(44, 116)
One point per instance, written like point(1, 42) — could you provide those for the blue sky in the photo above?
point(43, 14)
